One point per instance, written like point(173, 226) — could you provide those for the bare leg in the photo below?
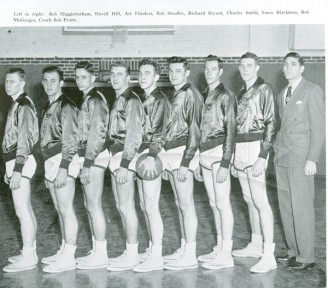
point(260, 199)
point(183, 236)
point(208, 182)
point(142, 204)
point(24, 211)
point(65, 198)
point(151, 192)
point(184, 191)
point(125, 193)
point(223, 204)
point(51, 188)
point(253, 212)
point(93, 193)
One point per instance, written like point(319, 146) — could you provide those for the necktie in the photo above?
point(289, 94)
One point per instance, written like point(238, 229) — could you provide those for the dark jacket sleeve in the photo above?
point(192, 110)
point(99, 118)
point(69, 120)
point(159, 118)
point(229, 106)
point(134, 123)
point(316, 110)
point(269, 119)
point(26, 134)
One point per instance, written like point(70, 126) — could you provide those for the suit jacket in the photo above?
point(302, 125)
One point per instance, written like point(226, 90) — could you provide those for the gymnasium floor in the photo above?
point(48, 240)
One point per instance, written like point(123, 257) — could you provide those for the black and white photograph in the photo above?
point(169, 154)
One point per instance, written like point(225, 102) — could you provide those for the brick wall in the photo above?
point(103, 63)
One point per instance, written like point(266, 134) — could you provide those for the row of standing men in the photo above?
point(191, 135)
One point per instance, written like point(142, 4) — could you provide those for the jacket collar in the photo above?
point(154, 93)
point(92, 91)
point(183, 88)
point(21, 97)
point(259, 81)
point(126, 92)
point(219, 88)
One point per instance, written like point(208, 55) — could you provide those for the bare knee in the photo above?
point(248, 199)
point(92, 207)
point(222, 205)
point(186, 206)
point(213, 204)
point(261, 203)
point(151, 209)
point(65, 210)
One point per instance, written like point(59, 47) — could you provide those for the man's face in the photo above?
point(84, 79)
point(147, 76)
point(177, 74)
point(212, 72)
point(292, 68)
point(51, 83)
point(119, 77)
point(248, 69)
point(14, 84)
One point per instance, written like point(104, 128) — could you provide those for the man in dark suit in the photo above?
point(297, 150)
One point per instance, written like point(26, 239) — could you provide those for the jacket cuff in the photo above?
point(64, 163)
point(87, 163)
point(18, 167)
point(125, 163)
point(152, 153)
point(185, 162)
point(263, 153)
point(225, 164)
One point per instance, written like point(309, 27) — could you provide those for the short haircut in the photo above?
point(176, 59)
point(120, 64)
point(85, 65)
point(297, 56)
point(251, 56)
point(157, 68)
point(19, 71)
point(214, 58)
point(50, 69)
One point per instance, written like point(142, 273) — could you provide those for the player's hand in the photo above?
point(61, 178)
point(149, 165)
point(222, 175)
point(259, 167)
point(122, 175)
point(182, 174)
point(198, 174)
point(15, 180)
point(85, 176)
point(310, 168)
point(165, 175)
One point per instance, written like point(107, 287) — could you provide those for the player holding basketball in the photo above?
point(156, 112)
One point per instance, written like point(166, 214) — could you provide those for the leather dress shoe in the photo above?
point(286, 259)
point(300, 266)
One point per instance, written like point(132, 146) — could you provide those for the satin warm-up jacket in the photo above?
point(218, 124)
point(21, 132)
point(93, 122)
point(156, 115)
point(59, 126)
point(184, 123)
point(256, 116)
point(126, 126)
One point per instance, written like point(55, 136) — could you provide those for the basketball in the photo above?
point(151, 175)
